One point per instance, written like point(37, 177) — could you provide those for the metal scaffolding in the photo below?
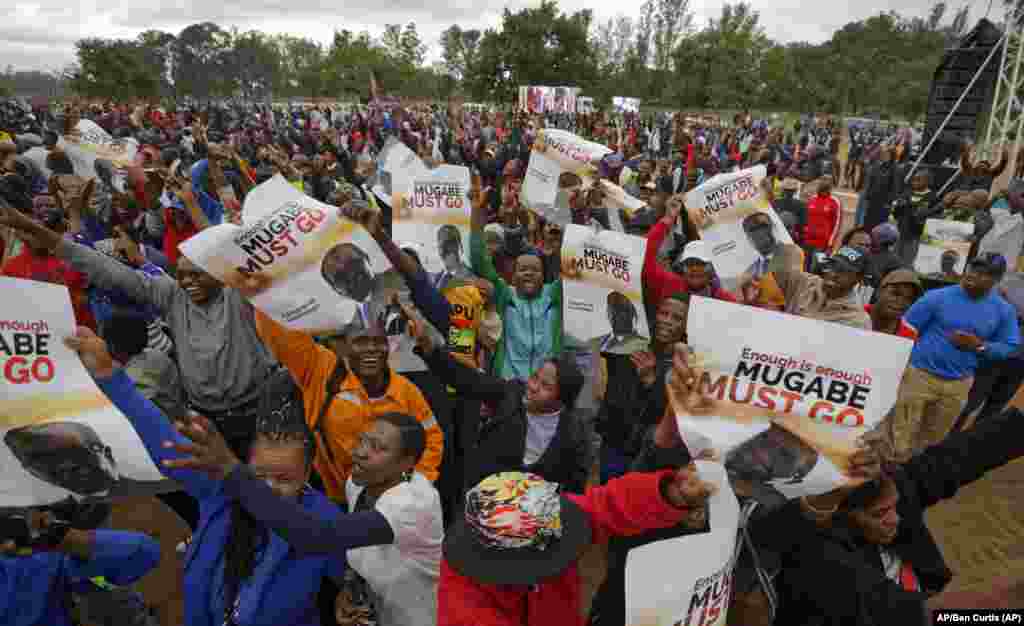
point(999, 48)
point(1006, 117)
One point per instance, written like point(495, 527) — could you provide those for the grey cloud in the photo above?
point(12, 36)
point(261, 11)
point(46, 38)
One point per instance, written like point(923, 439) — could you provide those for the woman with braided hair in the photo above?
point(238, 570)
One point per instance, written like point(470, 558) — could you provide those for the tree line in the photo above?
point(881, 64)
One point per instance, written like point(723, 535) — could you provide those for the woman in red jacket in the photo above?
point(823, 218)
point(512, 559)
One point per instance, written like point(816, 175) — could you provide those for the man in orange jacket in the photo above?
point(343, 399)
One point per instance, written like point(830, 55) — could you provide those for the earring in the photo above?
point(407, 476)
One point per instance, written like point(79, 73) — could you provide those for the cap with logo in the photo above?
point(847, 259)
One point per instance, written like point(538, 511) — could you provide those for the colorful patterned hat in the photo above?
point(517, 530)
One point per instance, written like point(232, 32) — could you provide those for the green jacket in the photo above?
point(531, 329)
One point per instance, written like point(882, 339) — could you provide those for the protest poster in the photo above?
point(61, 435)
point(92, 143)
point(433, 218)
point(626, 105)
point(723, 210)
point(602, 299)
point(317, 269)
point(659, 592)
point(944, 247)
point(572, 152)
point(559, 162)
point(617, 198)
point(784, 400)
point(399, 166)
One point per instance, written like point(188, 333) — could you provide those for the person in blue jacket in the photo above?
point(35, 588)
point(237, 571)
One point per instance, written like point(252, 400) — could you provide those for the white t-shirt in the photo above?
point(540, 431)
point(403, 575)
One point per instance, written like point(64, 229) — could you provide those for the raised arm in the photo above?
point(305, 532)
point(653, 271)
point(102, 270)
point(942, 469)
point(463, 378)
point(154, 429)
point(434, 306)
point(119, 557)
point(296, 350)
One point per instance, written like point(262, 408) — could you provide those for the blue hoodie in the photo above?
point(283, 588)
point(34, 589)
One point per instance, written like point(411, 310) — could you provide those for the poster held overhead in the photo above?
point(661, 592)
point(602, 297)
point(738, 223)
point(784, 401)
point(559, 163)
point(314, 269)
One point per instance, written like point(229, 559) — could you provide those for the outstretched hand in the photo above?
point(685, 394)
point(93, 352)
point(674, 208)
point(250, 285)
point(206, 451)
point(686, 489)
point(417, 329)
point(365, 216)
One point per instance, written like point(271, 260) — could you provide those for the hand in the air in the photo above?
point(206, 451)
point(686, 489)
point(93, 352)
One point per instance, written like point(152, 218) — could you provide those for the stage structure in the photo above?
point(1006, 117)
point(962, 90)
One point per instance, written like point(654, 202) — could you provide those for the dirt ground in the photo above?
point(981, 530)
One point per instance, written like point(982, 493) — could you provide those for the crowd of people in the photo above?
point(324, 485)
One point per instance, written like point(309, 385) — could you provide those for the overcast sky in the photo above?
point(42, 33)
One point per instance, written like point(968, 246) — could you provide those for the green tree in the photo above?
point(303, 67)
point(535, 46)
point(158, 48)
point(200, 57)
point(720, 65)
point(458, 50)
point(114, 68)
point(349, 61)
point(255, 63)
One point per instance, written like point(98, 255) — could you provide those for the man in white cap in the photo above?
point(694, 265)
point(691, 271)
